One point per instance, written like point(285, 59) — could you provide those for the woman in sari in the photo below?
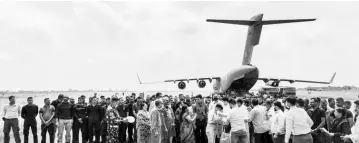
point(143, 124)
point(112, 119)
point(340, 126)
point(187, 125)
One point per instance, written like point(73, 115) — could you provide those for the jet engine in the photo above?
point(181, 85)
point(201, 84)
point(273, 83)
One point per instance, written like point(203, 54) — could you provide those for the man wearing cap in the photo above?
point(11, 114)
point(64, 112)
point(72, 101)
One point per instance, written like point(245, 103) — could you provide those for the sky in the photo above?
point(102, 45)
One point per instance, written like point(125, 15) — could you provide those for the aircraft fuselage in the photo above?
point(240, 79)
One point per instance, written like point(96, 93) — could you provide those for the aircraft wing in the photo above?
point(179, 80)
point(294, 80)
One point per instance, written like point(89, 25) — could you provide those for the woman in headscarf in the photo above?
point(143, 124)
point(340, 126)
point(187, 125)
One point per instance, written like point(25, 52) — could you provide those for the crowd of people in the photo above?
point(184, 119)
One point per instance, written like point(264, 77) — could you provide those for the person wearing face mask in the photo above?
point(64, 112)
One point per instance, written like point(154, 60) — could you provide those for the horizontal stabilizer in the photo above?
point(237, 22)
point(268, 22)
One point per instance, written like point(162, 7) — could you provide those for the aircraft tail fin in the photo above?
point(138, 77)
point(269, 22)
point(332, 79)
point(254, 31)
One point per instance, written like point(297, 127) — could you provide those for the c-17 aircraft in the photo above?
point(242, 79)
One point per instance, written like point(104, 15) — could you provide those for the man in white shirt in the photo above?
point(226, 110)
point(278, 123)
point(213, 104)
point(237, 117)
point(258, 116)
point(214, 121)
point(298, 123)
point(11, 114)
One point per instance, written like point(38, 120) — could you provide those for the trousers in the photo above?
point(67, 125)
point(51, 129)
point(27, 126)
point(240, 136)
point(94, 126)
point(14, 124)
point(200, 131)
point(305, 138)
point(263, 137)
point(76, 131)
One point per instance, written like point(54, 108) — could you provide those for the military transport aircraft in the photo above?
point(242, 79)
